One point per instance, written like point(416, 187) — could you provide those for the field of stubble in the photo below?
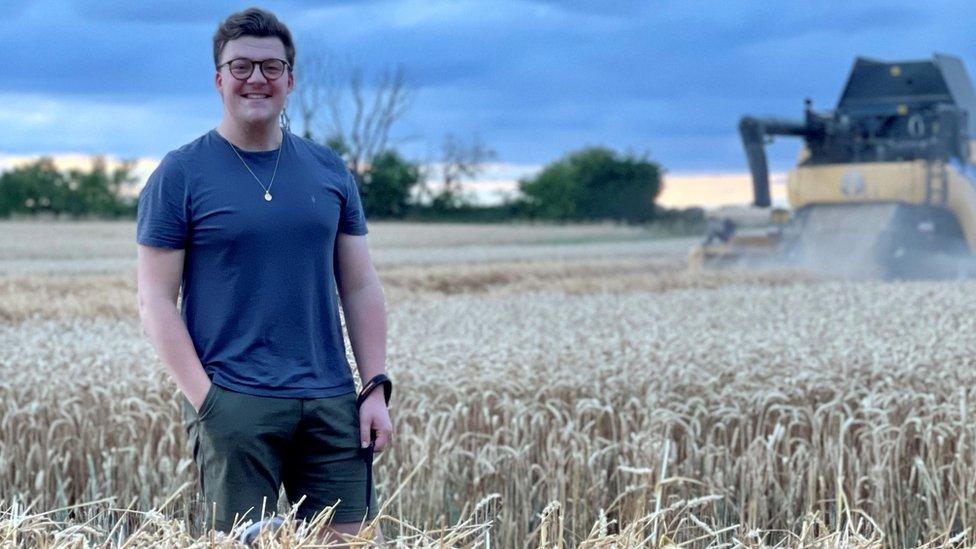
point(569, 386)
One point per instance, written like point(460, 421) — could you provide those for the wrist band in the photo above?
point(372, 384)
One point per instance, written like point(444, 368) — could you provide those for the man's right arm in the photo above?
point(158, 276)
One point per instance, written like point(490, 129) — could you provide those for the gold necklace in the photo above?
point(267, 190)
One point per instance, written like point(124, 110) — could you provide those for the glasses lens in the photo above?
point(241, 68)
point(272, 68)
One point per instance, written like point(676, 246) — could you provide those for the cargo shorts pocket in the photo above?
point(209, 401)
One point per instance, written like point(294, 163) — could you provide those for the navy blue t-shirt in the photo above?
point(259, 290)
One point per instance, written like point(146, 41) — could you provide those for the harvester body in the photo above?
point(884, 185)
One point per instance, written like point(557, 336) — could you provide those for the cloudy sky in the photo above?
point(533, 79)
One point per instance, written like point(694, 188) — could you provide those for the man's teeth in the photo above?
point(256, 96)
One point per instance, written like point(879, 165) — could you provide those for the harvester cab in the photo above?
point(882, 187)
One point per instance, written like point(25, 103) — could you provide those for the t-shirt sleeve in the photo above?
point(352, 220)
point(161, 216)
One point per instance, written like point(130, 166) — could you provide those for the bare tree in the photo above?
point(459, 161)
point(359, 117)
point(368, 131)
point(314, 83)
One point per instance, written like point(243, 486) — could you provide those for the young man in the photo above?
point(263, 229)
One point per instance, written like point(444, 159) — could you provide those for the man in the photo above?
point(263, 229)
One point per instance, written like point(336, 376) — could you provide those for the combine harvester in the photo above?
point(885, 182)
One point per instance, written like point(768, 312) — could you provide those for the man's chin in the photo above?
point(254, 119)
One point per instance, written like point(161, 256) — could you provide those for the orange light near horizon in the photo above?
point(682, 190)
point(716, 190)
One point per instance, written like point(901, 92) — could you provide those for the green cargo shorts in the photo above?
point(246, 446)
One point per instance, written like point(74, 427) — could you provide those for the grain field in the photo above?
point(556, 386)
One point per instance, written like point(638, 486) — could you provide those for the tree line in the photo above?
point(40, 188)
point(591, 184)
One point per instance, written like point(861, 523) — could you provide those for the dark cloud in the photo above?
point(533, 78)
point(157, 12)
point(605, 8)
point(208, 13)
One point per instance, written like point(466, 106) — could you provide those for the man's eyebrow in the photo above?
point(249, 59)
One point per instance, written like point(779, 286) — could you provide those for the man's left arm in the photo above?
point(364, 307)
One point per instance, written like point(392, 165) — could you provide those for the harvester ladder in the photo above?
point(936, 183)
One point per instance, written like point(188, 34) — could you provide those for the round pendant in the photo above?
point(267, 196)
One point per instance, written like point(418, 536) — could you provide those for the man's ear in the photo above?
point(218, 82)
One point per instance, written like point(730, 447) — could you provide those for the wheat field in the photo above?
point(556, 386)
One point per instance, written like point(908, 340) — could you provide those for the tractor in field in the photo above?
point(885, 185)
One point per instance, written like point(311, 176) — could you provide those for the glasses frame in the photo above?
point(253, 63)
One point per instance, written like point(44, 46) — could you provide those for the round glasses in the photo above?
point(242, 68)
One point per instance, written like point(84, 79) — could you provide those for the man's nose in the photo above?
point(256, 75)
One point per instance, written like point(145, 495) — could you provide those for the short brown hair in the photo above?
point(252, 22)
